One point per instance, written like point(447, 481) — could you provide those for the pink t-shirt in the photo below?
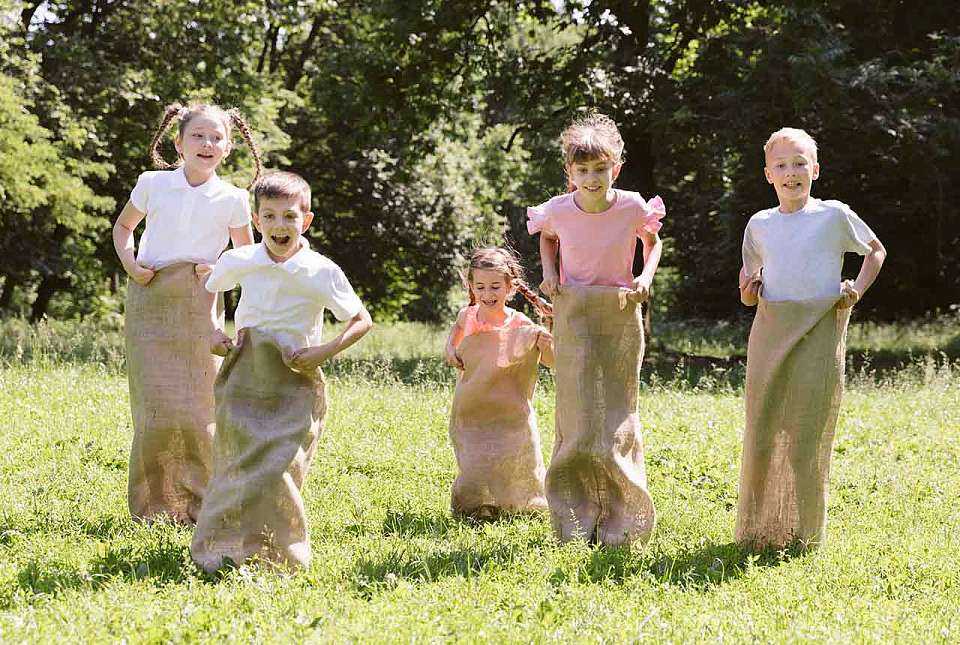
point(597, 248)
point(473, 325)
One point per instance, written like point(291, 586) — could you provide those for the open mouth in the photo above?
point(280, 240)
point(205, 155)
point(489, 303)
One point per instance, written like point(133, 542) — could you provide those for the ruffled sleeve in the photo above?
point(539, 220)
point(654, 212)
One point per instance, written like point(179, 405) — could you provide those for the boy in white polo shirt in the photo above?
point(270, 393)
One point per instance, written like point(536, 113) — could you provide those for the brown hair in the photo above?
point(280, 185)
point(594, 136)
point(184, 114)
point(506, 261)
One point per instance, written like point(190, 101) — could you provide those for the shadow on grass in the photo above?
point(695, 568)
point(162, 563)
point(411, 523)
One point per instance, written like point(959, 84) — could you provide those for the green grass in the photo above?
point(391, 564)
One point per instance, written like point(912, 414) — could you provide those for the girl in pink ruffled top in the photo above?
point(595, 226)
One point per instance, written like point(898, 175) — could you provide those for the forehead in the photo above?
point(281, 204)
point(205, 121)
point(786, 148)
point(593, 161)
point(488, 275)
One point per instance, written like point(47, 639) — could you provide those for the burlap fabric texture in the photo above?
point(795, 368)
point(171, 373)
point(596, 483)
point(493, 426)
point(269, 418)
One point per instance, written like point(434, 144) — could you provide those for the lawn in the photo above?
point(391, 564)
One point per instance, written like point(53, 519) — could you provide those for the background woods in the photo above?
point(426, 126)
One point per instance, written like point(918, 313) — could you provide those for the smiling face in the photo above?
point(593, 178)
point(792, 168)
point(280, 221)
point(491, 289)
point(203, 144)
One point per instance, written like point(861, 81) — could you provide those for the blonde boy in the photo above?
point(792, 261)
point(270, 392)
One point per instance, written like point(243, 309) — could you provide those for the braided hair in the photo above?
point(184, 114)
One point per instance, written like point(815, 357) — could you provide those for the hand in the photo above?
point(549, 285)
point(753, 289)
point(310, 358)
point(641, 290)
point(544, 341)
point(141, 275)
point(202, 271)
point(849, 296)
point(453, 359)
point(220, 343)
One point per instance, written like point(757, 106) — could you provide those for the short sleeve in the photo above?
point(752, 257)
point(858, 234)
point(540, 221)
point(140, 195)
point(241, 212)
point(225, 274)
point(341, 298)
point(653, 211)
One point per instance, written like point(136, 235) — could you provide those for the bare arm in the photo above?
point(749, 289)
point(868, 273)
point(545, 343)
point(453, 341)
point(126, 223)
point(311, 357)
point(549, 247)
point(241, 236)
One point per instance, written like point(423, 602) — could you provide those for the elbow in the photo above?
point(366, 322)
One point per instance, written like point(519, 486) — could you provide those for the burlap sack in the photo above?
point(795, 365)
point(171, 373)
point(493, 426)
point(596, 483)
point(268, 421)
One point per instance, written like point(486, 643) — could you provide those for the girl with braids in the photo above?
point(596, 484)
point(493, 426)
point(190, 215)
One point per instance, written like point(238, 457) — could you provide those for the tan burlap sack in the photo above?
point(268, 421)
point(795, 364)
point(596, 482)
point(493, 426)
point(171, 373)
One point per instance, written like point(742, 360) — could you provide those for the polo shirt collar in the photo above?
point(206, 188)
point(298, 260)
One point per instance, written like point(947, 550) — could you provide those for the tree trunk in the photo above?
point(49, 285)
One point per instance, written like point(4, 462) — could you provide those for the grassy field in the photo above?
point(391, 564)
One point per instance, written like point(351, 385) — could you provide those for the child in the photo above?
point(190, 215)
point(596, 483)
point(270, 392)
point(493, 426)
point(795, 355)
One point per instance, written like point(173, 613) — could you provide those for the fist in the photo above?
point(220, 343)
point(549, 285)
point(453, 359)
point(142, 275)
point(848, 295)
point(202, 271)
point(641, 290)
point(544, 340)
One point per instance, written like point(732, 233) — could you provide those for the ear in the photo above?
point(256, 220)
point(228, 149)
point(616, 169)
point(307, 218)
point(177, 143)
point(816, 171)
point(766, 173)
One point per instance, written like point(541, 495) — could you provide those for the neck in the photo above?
point(280, 259)
point(793, 205)
point(492, 316)
point(196, 177)
point(594, 203)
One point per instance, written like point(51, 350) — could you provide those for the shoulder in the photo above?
point(226, 189)
point(464, 313)
point(762, 217)
point(521, 319)
point(630, 199)
point(318, 266)
point(557, 203)
point(154, 179)
point(834, 206)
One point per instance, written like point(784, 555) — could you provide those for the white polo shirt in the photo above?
point(186, 223)
point(287, 296)
point(801, 253)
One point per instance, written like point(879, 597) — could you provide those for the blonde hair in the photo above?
point(505, 261)
point(594, 136)
point(280, 185)
point(184, 114)
point(795, 135)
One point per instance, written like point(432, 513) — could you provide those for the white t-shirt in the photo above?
point(287, 296)
point(186, 223)
point(801, 253)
